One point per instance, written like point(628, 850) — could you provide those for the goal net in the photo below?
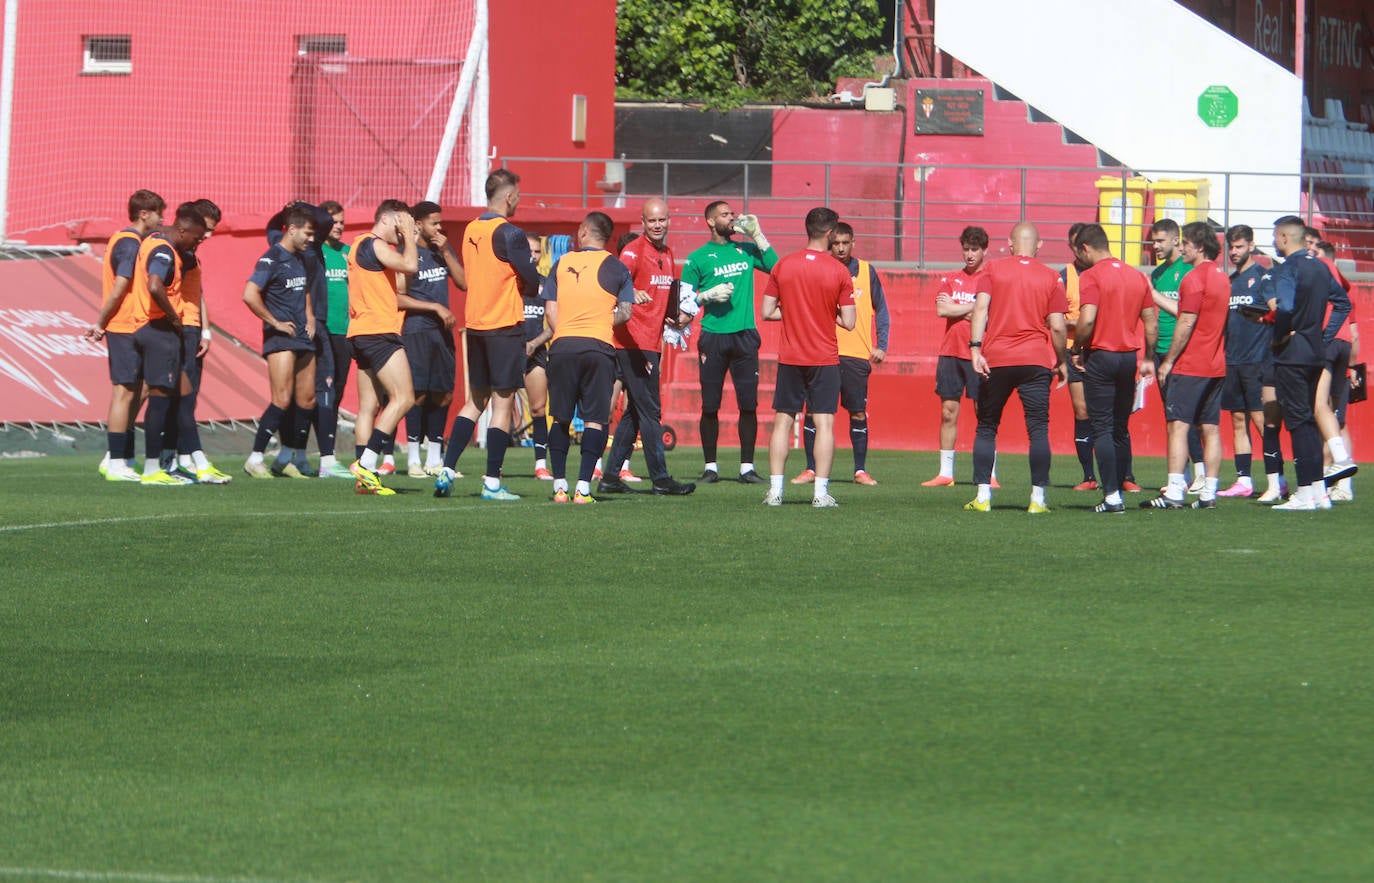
point(250, 103)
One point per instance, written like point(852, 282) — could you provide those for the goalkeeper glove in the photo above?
point(749, 226)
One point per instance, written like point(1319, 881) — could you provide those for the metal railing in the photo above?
point(914, 212)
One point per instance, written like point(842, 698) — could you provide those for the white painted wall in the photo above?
point(1127, 76)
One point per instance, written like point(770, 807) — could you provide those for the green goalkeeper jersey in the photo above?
point(336, 273)
point(1166, 279)
point(733, 262)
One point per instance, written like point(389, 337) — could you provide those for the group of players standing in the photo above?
point(1272, 344)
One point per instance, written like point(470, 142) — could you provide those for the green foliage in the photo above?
point(726, 52)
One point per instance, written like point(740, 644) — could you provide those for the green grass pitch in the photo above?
point(280, 680)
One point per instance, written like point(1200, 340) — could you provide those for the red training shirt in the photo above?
point(1206, 292)
point(652, 270)
point(961, 287)
point(1120, 294)
point(1023, 292)
point(1343, 333)
point(810, 286)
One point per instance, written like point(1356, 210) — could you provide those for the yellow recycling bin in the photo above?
point(1121, 212)
point(1184, 201)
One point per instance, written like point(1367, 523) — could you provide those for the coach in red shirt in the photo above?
point(1017, 340)
point(1114, 303)
point(809, 292)
point(1193, 371)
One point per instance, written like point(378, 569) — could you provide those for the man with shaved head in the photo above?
point(638, 349)
point(1017, 340)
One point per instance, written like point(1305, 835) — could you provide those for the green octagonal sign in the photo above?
point(1218, 106)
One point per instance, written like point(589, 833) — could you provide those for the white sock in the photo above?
point(712, 467)
point(984, 493)
point(746, 468)
point(1344, 484)
point(368, 460)
point(1339, 453)
point(947, 464)
point(822, 487)
point(584, 488)
point(1209, 488)
point(775, 484)
point(412, 452)
point(201, 461)
point(255, 458)
point(1038, 494)
point(389, 460)
point(328, 461)
point(598, 465)
point(490, 483)
point(1271, 479)
point(185, 461)
point(1114, 498)
point(1244, 481)
point(1177, 487)
point(540, 463)
point(1318, 489)
point(560, 484)
point(1199, 471)
point(151, 465)
point(625, 467)
point(434, 454)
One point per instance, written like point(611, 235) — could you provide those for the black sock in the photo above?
point(415, 422)
point(559, 444)
point(1083, 443)
point(1273, 451)
point(326, 424)
point(154, 423)
point(593, 443)
point(1243, 465)
point(497, 442)
point(378, 441)
point(710, 434)
point(187, 433)
point(115, 442)
point(540, 429)
point(858, 437)
point(458, 439)
point(748, 435)
point(809, 441)
point(268, 424)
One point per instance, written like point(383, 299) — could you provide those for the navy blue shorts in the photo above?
point(1267, 373)
point(1193, 400)
point(433, 360)
point(126, 365)
point(274, 341)
point(955, 377)
point(817, 387)
point(373, 351)
point(159, 349)
point(854, 383)
point(496, 358)
point(581, 375)
point(538, 359)
point(1242, 389)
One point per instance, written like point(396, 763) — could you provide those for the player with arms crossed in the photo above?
point(588, 292)
point(809, 292)
point(720, 277)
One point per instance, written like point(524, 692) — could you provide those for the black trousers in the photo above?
point(1032, 384)
point(1109, 390)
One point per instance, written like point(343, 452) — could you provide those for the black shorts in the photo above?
point(126, 365)
point(736, 354)
point(433, 359)
point(1338, 363)
point(581, 374)
point(159, 351)
point(496, 358)
point(854, 383)
point(538, 359)
point(274, 341)
point(373, 351)
point(1296, 389)
point(1267, 373)
point(815, 386)
point(1193, 400)
point(955, 377)
point(1074, 375)
point(190, 365)
point(1241, 392)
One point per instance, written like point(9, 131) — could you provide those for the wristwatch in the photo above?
point(973, 343)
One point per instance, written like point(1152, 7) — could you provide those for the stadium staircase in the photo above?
point(1338, 176)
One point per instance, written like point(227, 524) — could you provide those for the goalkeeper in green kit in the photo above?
point(719, 276)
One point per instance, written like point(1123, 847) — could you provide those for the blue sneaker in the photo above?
point(501, 493)
point(443, 484)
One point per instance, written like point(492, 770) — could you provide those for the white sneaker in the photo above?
point(772, 499)
point(1275, 493)
point(1199, 483)
point(415, 470)
point(1296, 504)
point(1340, 495)
point(825, 502)
point(1336, 471)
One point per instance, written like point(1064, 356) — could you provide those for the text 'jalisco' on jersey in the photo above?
point(336, 280)
point(587, 285)
point(652, 271)
point(734, 262)
point(280, 275)
point(1247, 341)
point(496, 259)
point(429, 283)
point(961, 287)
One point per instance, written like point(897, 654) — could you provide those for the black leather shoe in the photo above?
point(752, 477)
point(613, 486)
point(710, 476)
point(667, 487)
